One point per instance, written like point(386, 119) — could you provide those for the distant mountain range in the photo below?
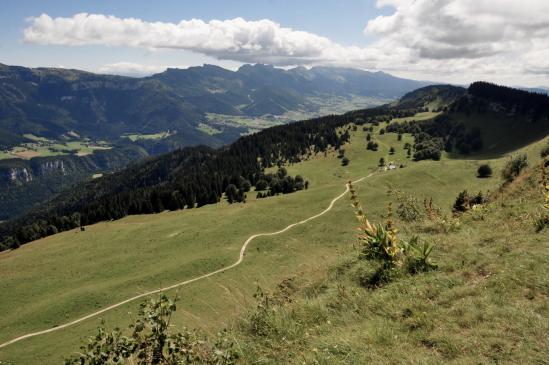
point(53, 102)
point(50, 113)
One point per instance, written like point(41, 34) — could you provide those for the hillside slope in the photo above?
point(486, 302)
point(112, 261)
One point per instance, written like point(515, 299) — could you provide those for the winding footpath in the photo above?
point(186, 282)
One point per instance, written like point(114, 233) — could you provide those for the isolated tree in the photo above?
point(381, 162)
point(368, 137)
point(344, 161)
point(399, 137)
point(261, 184)
point(462, 202)
point(246, 185)
point(231, 193)
point(484, 171)
point(282, 172)
point(392, 151)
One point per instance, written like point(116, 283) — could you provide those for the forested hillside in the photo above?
point(193, 177)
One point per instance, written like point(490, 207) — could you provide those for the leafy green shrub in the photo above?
point(464, 201)
point(377, 274)
point(484, 171)
point(417, 256)
point(514, 167)
point(408, 207)
point(151, 342)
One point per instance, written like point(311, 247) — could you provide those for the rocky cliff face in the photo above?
point(24, 183)
point(19, 175)
point(52, 167)
point(15, 176)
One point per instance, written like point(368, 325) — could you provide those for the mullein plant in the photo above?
point(377, 242)
point(381, 243)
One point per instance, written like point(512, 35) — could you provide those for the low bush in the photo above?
point(151, 342)
point(514, 167)
point(464, 201)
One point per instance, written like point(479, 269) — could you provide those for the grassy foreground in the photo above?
point(74, 273)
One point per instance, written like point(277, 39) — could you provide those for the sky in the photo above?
point(454, 41)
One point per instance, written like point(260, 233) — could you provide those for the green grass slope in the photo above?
point(68, 275)
point(486, 303)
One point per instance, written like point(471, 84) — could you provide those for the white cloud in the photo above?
point(233, 39)
point(508, 37)
point(447, 40)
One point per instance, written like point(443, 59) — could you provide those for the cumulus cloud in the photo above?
point(452, 40)
point(234, 39)
point(509, 35)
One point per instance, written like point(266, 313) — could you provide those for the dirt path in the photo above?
point(238, 262)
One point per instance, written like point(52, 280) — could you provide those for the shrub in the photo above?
point(464, 201)
point(484, 171)
point(344, 161)
point(542, 220)
point(151, 342)
point(408, 207)
point(514, 167)
point(545, 151)
point(417, 256)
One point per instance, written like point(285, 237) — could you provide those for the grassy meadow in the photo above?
point(71, 274)
point(43, 147)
